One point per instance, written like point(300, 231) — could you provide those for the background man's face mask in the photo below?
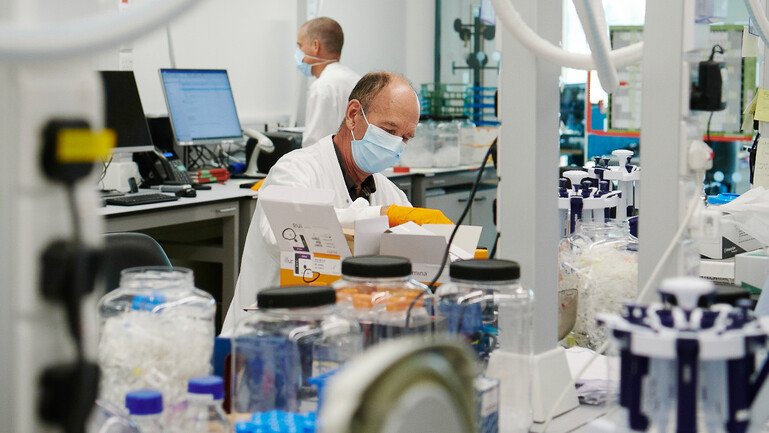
point(377, 149)
point(306, 68)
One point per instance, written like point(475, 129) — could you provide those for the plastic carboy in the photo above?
point(283, 353)
point(446, 144)
point(145, 406)
point(157, 331)
point(419, 152)
point(204, 412)
point(486, 304)
point(378, 291)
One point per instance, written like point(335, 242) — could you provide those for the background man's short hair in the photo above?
point(328, 32)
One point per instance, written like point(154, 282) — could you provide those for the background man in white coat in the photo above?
point(381, 116)
point(319, 48)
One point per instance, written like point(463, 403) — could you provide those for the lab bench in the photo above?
point(205, 233)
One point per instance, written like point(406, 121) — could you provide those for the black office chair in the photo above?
point(129, 250)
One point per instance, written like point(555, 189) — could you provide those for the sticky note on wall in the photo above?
point(762, 106)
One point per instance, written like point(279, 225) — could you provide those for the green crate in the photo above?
point(443, 99)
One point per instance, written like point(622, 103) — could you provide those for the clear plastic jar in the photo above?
point(419, 151)
point(157, 331)
point(282, 353)
point(446, 144)
point(468, 149)
point(377, 291)
point(599, 261)
point(485, 303)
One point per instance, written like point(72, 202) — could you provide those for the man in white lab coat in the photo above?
point(381, 116)
point(319, 47)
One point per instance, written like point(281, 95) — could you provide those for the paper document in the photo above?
point(761, 174)
point(762, 106)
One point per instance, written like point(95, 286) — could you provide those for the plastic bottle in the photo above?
point(419, 151)
point(446, 144)
point(107, 418)
point(204, 412)
point(145, 407)
point(467, 148)
point(491, 291)
point(295, 335)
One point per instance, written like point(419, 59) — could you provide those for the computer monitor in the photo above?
point(201, 106)
point(124, 113)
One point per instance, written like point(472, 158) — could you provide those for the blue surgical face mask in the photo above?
point(304, 68)
point(377, 149)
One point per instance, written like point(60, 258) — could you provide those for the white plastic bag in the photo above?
point(751, 213)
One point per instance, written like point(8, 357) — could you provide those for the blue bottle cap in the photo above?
point(213, 385)
point(144, 402)
point(147, 302)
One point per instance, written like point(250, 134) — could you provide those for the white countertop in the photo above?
point(433, 171)
point(218, 192)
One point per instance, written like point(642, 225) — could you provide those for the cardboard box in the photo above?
point(307, 232)
point(751, 270)
point(729, 241)
point(425, 246)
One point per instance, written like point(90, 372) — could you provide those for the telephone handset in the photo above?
point(157, 168)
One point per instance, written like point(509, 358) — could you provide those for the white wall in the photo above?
point(255, 41)
point(395, 35)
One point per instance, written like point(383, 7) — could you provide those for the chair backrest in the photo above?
point(129, 250)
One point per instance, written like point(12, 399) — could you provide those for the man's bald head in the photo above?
point(326, 31)
point(372, 84)
point(388, 100)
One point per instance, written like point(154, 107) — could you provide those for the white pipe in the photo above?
point(593, 20)
point(513, 22)
point(759, 18)
point(47, 41)
point(171, 52)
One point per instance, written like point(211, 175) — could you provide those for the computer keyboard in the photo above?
point(137, 199)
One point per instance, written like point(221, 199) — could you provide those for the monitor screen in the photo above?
point(201, 106)
point(124, 113)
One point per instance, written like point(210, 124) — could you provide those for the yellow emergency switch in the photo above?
point(82, 145)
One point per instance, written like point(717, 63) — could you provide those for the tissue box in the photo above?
point(487, 404)
point(751, 270)
point(728, 242)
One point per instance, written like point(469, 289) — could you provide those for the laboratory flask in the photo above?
point(157, 331)
point(203, 412)
point(145, 406)
point(282, 354)
point(378, 292)
point(107, 418)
